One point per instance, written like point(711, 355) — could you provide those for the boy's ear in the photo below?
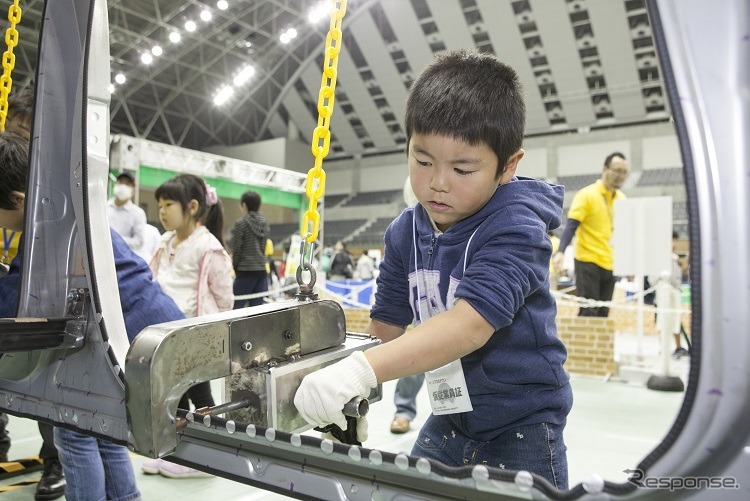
point(17, 199)
point(509, 169)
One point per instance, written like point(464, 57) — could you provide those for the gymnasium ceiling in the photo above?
point(585, 64)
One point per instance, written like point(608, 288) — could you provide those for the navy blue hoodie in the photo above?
point(498, 261)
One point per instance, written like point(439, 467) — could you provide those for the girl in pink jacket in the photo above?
point(190, 263)
point(193, 268)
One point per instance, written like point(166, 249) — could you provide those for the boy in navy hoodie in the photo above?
point(469, 267)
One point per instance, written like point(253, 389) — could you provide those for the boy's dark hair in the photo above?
point(251, 199)
point(187, 187)
point(21, 105)
point(14, 167)
point(472, 97)
point(616, 154)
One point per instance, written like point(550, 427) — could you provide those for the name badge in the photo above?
point(447, 390)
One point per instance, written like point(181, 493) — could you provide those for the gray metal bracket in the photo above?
point(165, 360)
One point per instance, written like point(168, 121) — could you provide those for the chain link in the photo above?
point(9, 60)
point(321, 140)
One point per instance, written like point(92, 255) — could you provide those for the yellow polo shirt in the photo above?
point(593, 206)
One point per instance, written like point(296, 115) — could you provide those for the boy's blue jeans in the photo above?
point(537, 448)
point(95, 469)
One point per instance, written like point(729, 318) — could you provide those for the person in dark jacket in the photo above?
point(249, 251)
point(342, 263)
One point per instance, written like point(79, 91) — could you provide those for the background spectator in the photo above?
point(342, 263)
point(249, 246)
point(591, 220)
point(124, 216)
point(365, 266)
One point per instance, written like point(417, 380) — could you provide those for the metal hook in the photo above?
point(306, 290)
point(306, 267)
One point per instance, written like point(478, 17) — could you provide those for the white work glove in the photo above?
point(322, 395)
point(361, 432)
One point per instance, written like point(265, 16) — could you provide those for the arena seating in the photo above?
point(373, 235)
point(330, 201)
point(374, 198)
point(661, 177)
point(575, 183)
point(386, 205)
point(340, 230)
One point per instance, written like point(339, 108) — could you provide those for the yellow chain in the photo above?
point(9, 60)
point(316, 177)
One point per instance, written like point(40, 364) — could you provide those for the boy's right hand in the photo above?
point(322, 395)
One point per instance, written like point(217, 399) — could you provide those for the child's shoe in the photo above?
point(172, 470)
point(151, 467)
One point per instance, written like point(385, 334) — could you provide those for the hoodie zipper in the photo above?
point(431, 251)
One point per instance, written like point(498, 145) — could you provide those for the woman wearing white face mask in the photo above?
point(125, 217)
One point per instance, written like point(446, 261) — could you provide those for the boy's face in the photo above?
point(453, 179)
point(12, 219)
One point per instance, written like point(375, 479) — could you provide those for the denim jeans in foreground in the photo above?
point(537, 448)
point(95, 469)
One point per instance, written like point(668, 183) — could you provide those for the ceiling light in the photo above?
point(243, 76)
point(284, 38)
point(120, 78)
point(206, 15)
point(147, 58)
point(111, 88)
point(190, 26)
point(291, 32)
point(321, 11)
point(223, 95)
point(222, 5)
point(156, 50)
point(175, 37)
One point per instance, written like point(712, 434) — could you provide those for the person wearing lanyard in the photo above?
point(10, 248)
point(591, 220)
point(468, 267)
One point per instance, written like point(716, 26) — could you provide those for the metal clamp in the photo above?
point(165, 360)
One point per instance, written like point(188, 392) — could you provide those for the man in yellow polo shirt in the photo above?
point(591, 219)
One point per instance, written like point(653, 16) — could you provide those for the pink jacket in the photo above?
point(214, 292)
